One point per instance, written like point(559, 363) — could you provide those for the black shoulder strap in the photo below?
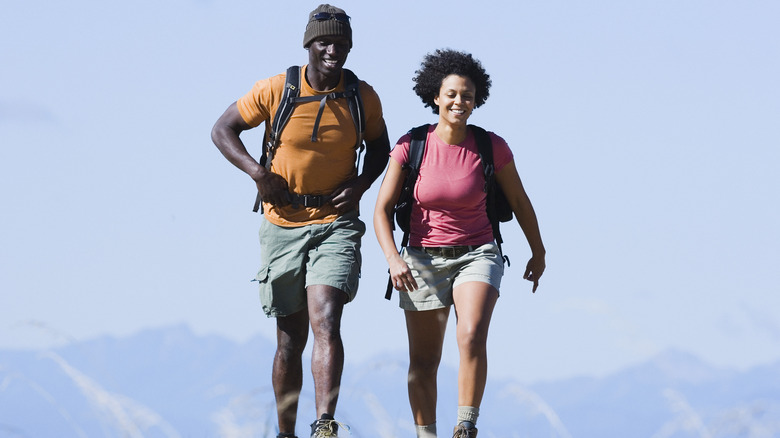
point(403, 208)
point(416, 152)
point(417, 145)
point(355, 102)
point(291, 96)
point(485, 149)
point(292, 89)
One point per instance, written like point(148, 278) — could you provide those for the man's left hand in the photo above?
point(347, 197)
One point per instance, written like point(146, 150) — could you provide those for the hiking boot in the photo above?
point(325, 428)
point(462, 431)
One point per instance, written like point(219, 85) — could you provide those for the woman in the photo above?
point(450, 211)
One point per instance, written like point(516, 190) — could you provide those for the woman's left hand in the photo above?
point(534, 270)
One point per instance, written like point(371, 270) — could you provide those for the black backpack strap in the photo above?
point(403, 209)
point(292, 89)
point(291, 97)
point(352, 94)
point(355, 102)
point(419, 136)
point(485, 149)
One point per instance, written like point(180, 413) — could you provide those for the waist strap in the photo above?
point(314, 201)
point(448, 252)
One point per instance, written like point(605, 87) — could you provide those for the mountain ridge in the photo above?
point(170, 382)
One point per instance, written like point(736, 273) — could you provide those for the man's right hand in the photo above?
point(271, 186)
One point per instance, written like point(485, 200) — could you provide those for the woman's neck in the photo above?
point(451, 134)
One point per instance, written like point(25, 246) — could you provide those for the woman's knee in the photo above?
point(424, 363)
point(472, 339)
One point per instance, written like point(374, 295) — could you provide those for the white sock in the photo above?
point(468, 413)
point(427, 431)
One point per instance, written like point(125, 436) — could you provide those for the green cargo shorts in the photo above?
point(294, 258)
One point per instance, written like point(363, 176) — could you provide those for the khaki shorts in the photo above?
point(437, 276)
point(298, 257)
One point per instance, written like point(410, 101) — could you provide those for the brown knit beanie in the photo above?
point(327, 20)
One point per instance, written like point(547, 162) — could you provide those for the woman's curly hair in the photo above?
point(444, 62)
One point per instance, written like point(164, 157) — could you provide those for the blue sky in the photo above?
point(646, 134)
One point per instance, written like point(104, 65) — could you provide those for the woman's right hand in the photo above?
point(401, 274)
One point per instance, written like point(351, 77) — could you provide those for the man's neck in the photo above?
point(320, 82)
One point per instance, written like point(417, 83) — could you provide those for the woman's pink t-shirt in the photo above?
point(450, 207)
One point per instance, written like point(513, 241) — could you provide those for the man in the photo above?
point(310, 240)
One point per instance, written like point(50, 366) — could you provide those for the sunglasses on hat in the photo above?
point(322, 16)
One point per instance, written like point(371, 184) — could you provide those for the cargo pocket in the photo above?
point(262, 275)
point(266, 297)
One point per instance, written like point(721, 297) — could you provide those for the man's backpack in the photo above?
point(291, 97)
point(498, 209)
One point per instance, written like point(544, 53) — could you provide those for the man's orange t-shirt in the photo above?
point(311, 168)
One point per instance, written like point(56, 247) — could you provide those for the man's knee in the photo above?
point(327, 329)
point(289, 350)
point(326, 305)
point(292, 333)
